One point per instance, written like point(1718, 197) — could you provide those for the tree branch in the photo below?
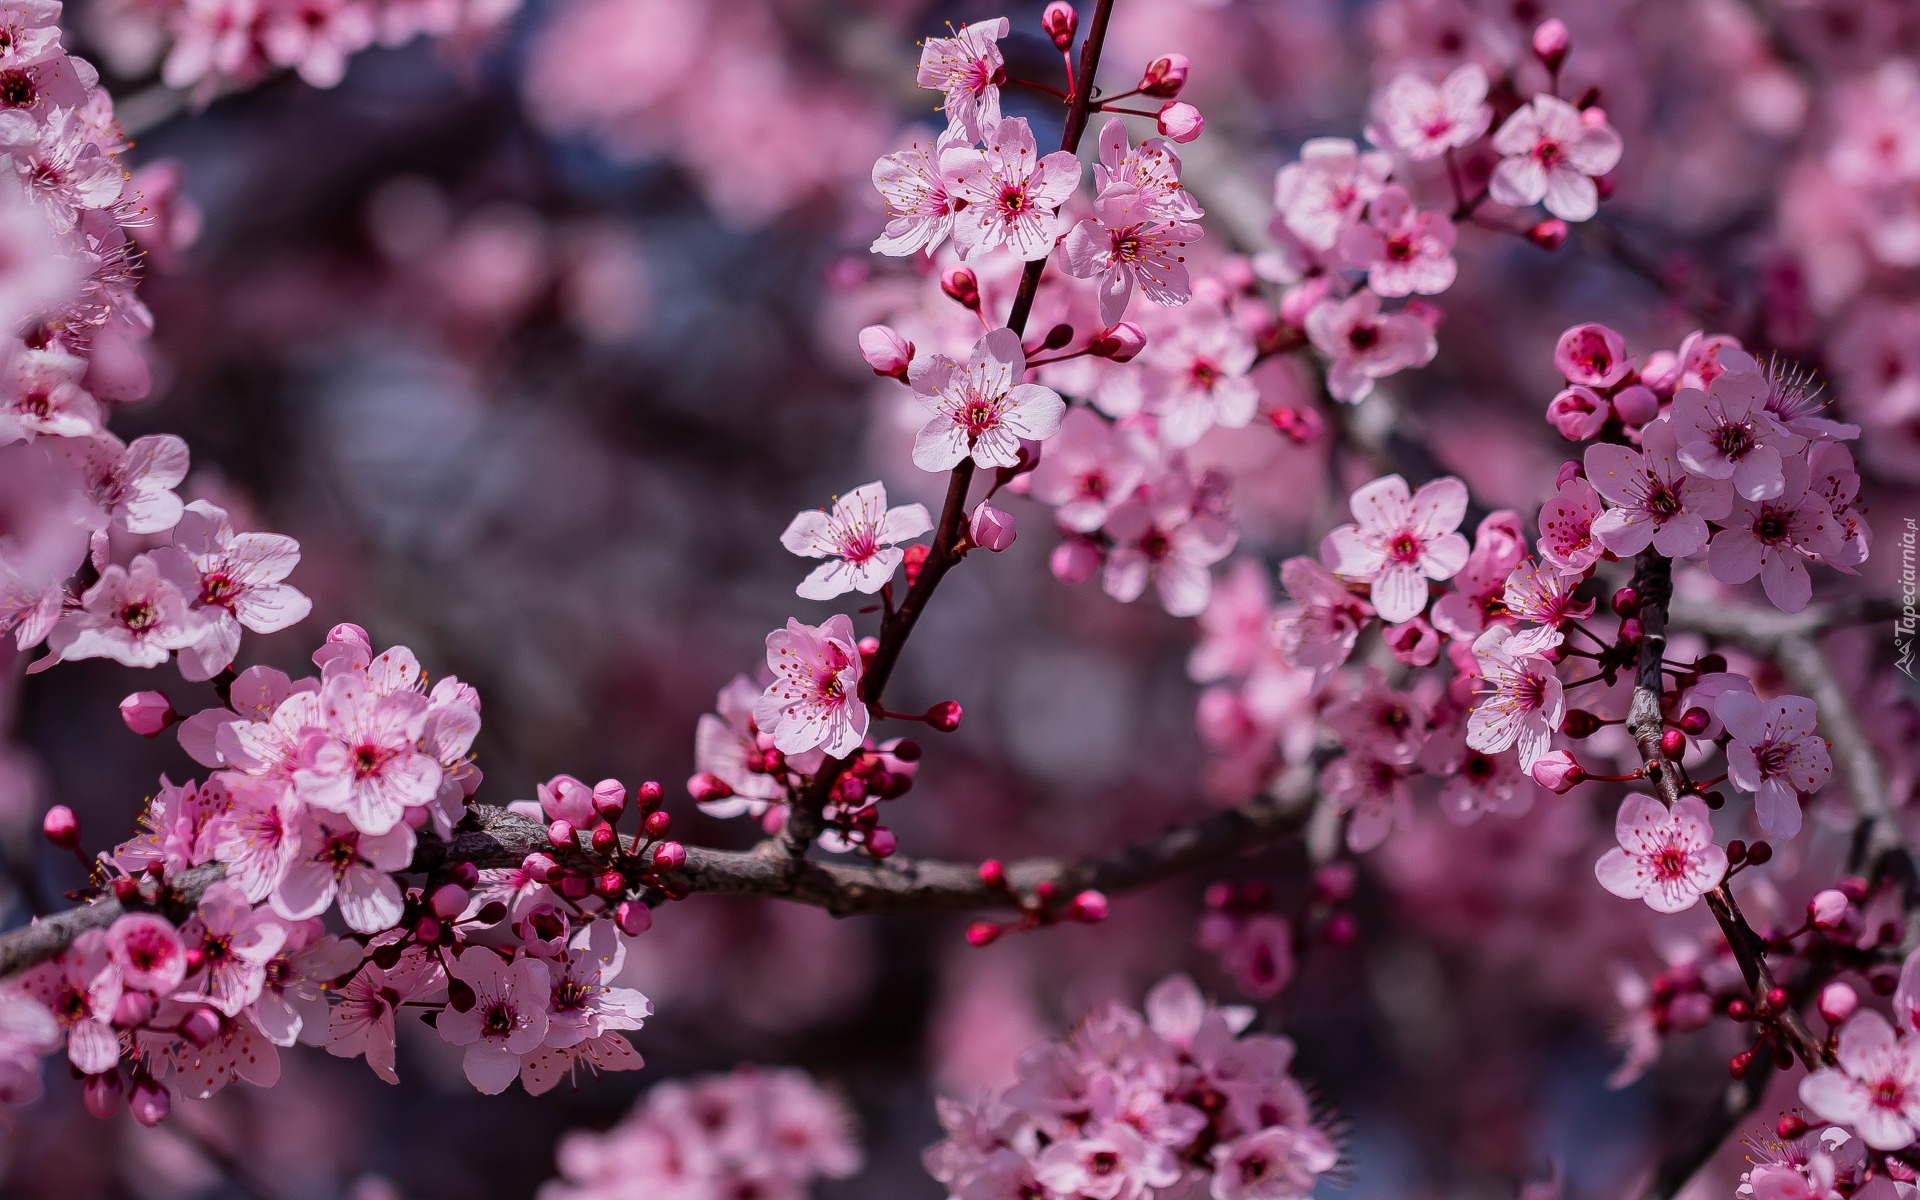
point(1714, 1127)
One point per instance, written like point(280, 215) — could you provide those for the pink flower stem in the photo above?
point(1047, 87)
point(1131, 112)
point(1041, 362)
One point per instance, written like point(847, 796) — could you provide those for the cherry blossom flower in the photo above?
point(1235, 629)
point(1526, 704)
point(1278, 1163)
point(1114, 1164)
point(1089, 468)
point(1153, 168)
point(1546, 598)
point(79, 987)
point(360, 1023)
point(369, 766)
point(1478, 598)
point(1366, 344)
point(1592, 355)
point(508, 1017)
point(1423, 121)
point(316, 37)
point(1379, 722)
point(1656, 499)
point(969, 68)
point(1158, 537)
point(1399, 541)
point(1566, 527)
point(1318, 629)
point(584, 1004)
point(235, 943)
point(337, 861)
point(981, 409)
point(721, 746)
point(1724, 433)
point(240, 585)
point(292, 1000)
point(133, 483)
point(238, 1051)
point(814, 701)
point(148, 952)
point(1374, 791)
point(920, 205)
point(1834, 480)
point(28, 1032)
point(542, 1070)
point(258, 834)
point(1202, 378)
point(1477, 783)
point(1667, 858)
point(1124, 243)
point(212, 40)
point(135, 615)
point(62, 169)
point(1874, 1086)
point(1552, 152)
point(43, 397)
point(1010, 192)
point(1773, 538)
point(1259, 956)
point(1325, 192)
point(860, 537)
point(1776, 753)
point(1579, 413)
point(1402, 249)
point(29, 33)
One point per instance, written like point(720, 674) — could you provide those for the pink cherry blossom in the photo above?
point(316, 37)
point(584, 1004)
point(258, 835)
point(542, 1070)
point(1774, 538)
point(1874, 1085)
point(1366, 344)
point(1010, 191)
point(969, 68)
point(1579, 413)
point(1724, 433)
point(1402, 249)
point(136, 615)
point(1152, 167)
point(79, 987)
point(148, 952)
point(1324, 193)
point(1477, 783)
point(42, 397)
point(1655, 499)
point(981, 410)
point(1089, 468)
point(63, 170)
point(1400, 541)
point(1526, 703)
point(1114, 1164)
point(721, 746)
point(1124, 244)
point(235, 942)
point(1551, 154)
point(240, 585)
point(1546, 598)
point(1423, 121)
point(1478, 596)
point(920, 205)
point(1317, 630)
point(860, 537)
point(1379, 722)
point(814, 701)
point(1592, 355)
point(133, 483)
point(1374, 791)
point(360, 1024)
point(337, 861)
point(508, 1018)
point(1236, 628)
point(1201, 377)
point(292, 1005)
point(1776, 753)
point(1566, 527)
point(1667, 858)
point(369, 766)
point(1278, 1163)
point(1159, 536)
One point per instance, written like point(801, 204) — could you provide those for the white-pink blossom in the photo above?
point(337, 861)
point(133, 483)
point(1319, 626)
point(1526, 703)
point(1402, 249)
point(1153, 167)
point(1656, 500)
point(1325, 192)
point(136, 615)
point(1774, 538)
point(1776, 753)
point(1089, 468)
point(1125, 243)
point(1874, 1084)
point(1200, 377)
point(969, 68)
point(1552, 152)
point(981, 409)
point(1725, 432)
point(920, 205)
point(368, 766)
point(236, 942)
point(1424, 121)
point(1566, 527)
point(1668, 858)
point(814, 701)
point(860, 539)
point(1366, 344)
point(508, 1017)
point(1399, 541)
point(1011, 191)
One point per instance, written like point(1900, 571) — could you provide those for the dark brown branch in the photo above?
point(1715, 1126)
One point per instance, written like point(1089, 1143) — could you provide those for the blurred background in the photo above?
point(536, 336)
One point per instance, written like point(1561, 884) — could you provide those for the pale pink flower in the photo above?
point(369, 766)
point(721, 744)
point(814, 701)
point(508, 1017)
point(1725, 433)
point(258, 836)
point(584, 1003)
point(1402, 249)
point(235, 942)
point(179, 823)
point(1578, 413)
point(1477, 783)
point(1374, 791)
point(1551, 154)
point(1125, 243)
point(1400, 541)
point(1366, 344)
point(1834, 480)
point(136, 615)
point(29, 33)
point(1010, 191)
point(1669, 859)
point(340, 862)
point(1526, 704)
point(1423, 121)
point(1546, 598)
point(1201, 377)
point(1260, 956)
point(62, 169)
point(360, 1024)
point(1592, 355)
point(1776, 753)
point(1318, 629)
point(1566, 527)
point(1277, 1163)
point(1153, 167)
point(79, 987)
point(292, 1005)
point(28, 1033)
point(1379, 722)
point(1478, 598)
point(542, 1069)
point(316, 37)
point(212, 40)
point(1655, 499)
point(42, 397)
point(1774, 538)
point(1115, 1163)
point(133, 483)
point(1092, 466)
point(1158, 537)
point(1235, 629)
point(981, 409)
point(148, 952)
point(238, 1052)
point(240, 585)
point(920, 206)
point(860, 538)
point(1325, 192)
point(969, 68)
point(1874, 1086)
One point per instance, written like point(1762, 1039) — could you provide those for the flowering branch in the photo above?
point(1733, 1106)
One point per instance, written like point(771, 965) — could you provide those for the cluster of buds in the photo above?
point(852, 814)
point(596, 860)
point(1045, 905)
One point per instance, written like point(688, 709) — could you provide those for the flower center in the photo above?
point(17, 88)
point(138, 615)
point(1671, 863)
point(1014, 202)
point(1548, 153)
point(500, 1020)
point(1734, 441)
point(1404, 548)
point(1772, 527)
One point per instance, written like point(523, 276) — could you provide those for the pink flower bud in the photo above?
point(704, 787)
point(1636, 405)
point(609, 799)
point(1837, 1002)
point(1695, 721)
point(982, 933)
point(61, 827)
point(886, 351)
point(1828, 909)
point(1301, 426)
point(1165, 76)
point(1088, 906)
point(560, 834)
point(426, 930)
point(449, 901)
point(1119, 342)
point(605, 839)
point(1076, 560)
point(102, 1094)
point(945, 716)
point(1059, 21)
point(574, 887)
point(993, 874)
point(1557, 772)
point(671, 856)
point(658, 823)
point(1569, 471)
point(1336, 881)
point(1592, 354)
point(960, 284)
point(539, 867)
point(991, 528)
point(1550, 42)
point(347, 631)
point(882, 842)
point(132, 1010)
point(1550, 234)
point(1631, 631)
point(1181, 121)
point(1578, 413)
point(148, 713)
point(149, 1102)
point(633, 917)
point(610, 883)
point(465, 874)
point(1413, 642)
point(649, 794)
point(201, 1026)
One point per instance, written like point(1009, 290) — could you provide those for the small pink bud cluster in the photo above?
point(1039, 908)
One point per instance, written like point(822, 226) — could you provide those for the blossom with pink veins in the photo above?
point(236, 942)
point(1526, 704)
point(1153, 167)
point(1835, 481)
point(542, 1069)
point(264, 748)
point(240, 585)
point(1774, 538)
point(1158, 537)
point(337, 861)
point(814, 700)
point(257, 836)
point(1476, 783)
point(969, 68)
point(1377, 721)
point(315, 37)
point(1201, 377)
point(1424, 121)
point(60, 167)
point(1552, 152)
point(584, 1004)
point(1566, 527)
point(860, 539)
point(1321, 195)
point(981, 410)
point(29, 33)
point(1776, 753)
point(147, 950)
point(1667, 858)
point(133, 483)
point(292, 1006)
point(360, 1023)
point(179, 824)
point(1236, 628)
point(1113, 1163)
point(42, 397)
point(1318, 627)
point(1725, 433)
point(1402, 249)
point(1009, 193)
point(1399, 541)
point(1656, 500)
point(1125, 243)
point(1374, 791)
point(1089, 468)
point(369, 766)
point(1366, 344)
point(1278, 1163)
point(1477, 598)
point(1874, 1085)
point(136, 615)
point(1546, 598)
point(508, 1018)
point(80, 987)
point(920, 202)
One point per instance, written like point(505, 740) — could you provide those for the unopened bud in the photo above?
point(126, 889)
point(944, 716)
point(1790, 1127)
point(102, 1094)
point(1739, 1009)
point(882, 842)
point(993, 874)
point(961, 285)
point(426, 930)
point(1626, 602)
point(1119, 342)
point(492, 912)
point(1301, 426)
point(560, 835)
point(1579, 723)
point(982, 933)
point(201, 1026)
point(147, 713)
point(1694, 721)
point(633, 917)
point(465, 874)
point(449, 901)
point(1636, 405)
point(907, 750)
point(1837, 1002)
point(1181, 121)
point(538, 867)
point(149, 1102)
point(705, 787)
point(574, 887)
point(1088, 906)
point(132, 1010)
point(609, 799)
point(889, 354)
point(1341, 929)
point(1631, 631)
point(1550, 42)
point(1550, 234)
point(658, 823)
point(1165, 76)
point(991, 528)
point(1059, 21)
point(1557, 772)
point(61, 827)
point(1738, 1064)
point(671, 856)
point(1759, 853)
point(610, 884)
point(1828, 909)
point(1673, 743)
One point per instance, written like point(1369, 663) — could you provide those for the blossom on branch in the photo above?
point(981, 410)
point(1667, 858)
point(860, 537)
point(814, 701)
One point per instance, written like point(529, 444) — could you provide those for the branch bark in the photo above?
point(1714, 1127)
